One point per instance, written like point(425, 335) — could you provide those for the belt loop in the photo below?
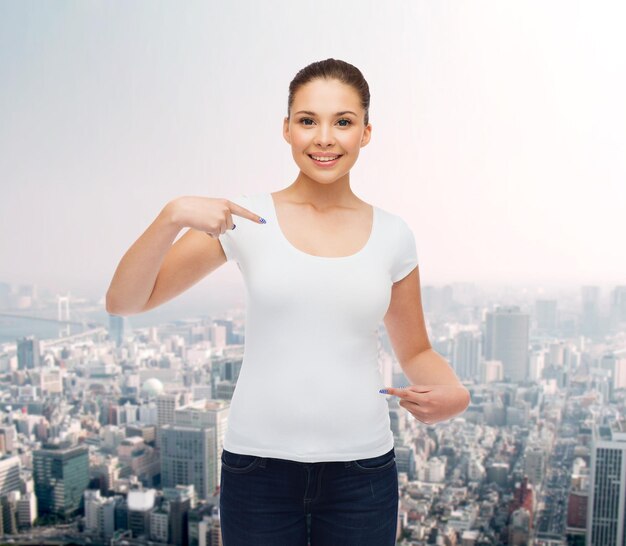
point(263, 462)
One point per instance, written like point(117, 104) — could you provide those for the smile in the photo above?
point(326, 158)
point(325, 161)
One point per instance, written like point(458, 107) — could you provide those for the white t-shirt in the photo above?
point(308, 386)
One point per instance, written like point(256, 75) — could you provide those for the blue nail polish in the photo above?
point(383, 391)
point(262, 220)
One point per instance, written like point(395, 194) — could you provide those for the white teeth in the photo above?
point(324, 158)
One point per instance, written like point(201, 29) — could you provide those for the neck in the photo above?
point(322, 195)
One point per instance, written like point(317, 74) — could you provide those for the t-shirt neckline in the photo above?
point(287, 243)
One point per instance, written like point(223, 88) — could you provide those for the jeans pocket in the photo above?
point(375, 464)
point(238, 462)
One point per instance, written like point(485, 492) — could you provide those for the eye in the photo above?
point(302, 120)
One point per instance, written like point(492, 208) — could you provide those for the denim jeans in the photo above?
point(278, 502)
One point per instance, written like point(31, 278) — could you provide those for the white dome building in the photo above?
point(152, 388)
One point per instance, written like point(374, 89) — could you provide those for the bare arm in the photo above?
point(154, 270)
point(136, 274)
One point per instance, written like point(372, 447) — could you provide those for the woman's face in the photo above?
point(326, 118)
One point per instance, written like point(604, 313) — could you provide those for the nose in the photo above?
point(324, 136)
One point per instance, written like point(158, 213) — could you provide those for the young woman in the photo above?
point(309, 452)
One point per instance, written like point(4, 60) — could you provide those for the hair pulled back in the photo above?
point(332, 69)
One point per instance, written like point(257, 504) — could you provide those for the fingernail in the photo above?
point(383, 391)
point(262, 220)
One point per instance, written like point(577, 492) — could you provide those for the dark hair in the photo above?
point(332, 69)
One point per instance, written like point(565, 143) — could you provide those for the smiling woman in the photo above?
point(321, 276)
point(322, 268)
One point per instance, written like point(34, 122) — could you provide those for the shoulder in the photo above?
point(399, 241)
point(393, 222)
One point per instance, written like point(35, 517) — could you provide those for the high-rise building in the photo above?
point(519, 527)
point(506, 340)
point(606, 509)
point(26, 510)
point(188, 458)
point(536, 364)
point(28, 353)
point(180, 500)
point(199, 532)
point(8, 437)
point(140, 505)
point(8, 512)
point(590, 311)
point(61, 474)
point(99, 514)
point(9, 474)
point(614, 363)
point(546, 316)
point(119, 329)
point(534, 464)
point(167, 403)
point(218, 334)
point(228, 325)
point(617, 307)
point(466, 353)
point(577, 503)
point(159, 525)
point(207, 414)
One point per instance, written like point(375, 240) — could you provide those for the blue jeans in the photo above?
point(278, 502)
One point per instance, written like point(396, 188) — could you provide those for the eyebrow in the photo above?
point(314, 114)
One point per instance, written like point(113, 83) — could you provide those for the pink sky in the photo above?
point(498, 129)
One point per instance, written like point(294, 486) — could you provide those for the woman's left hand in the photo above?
point(431, 404)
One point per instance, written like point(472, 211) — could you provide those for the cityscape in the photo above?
point(112, 434)
point(497, 135)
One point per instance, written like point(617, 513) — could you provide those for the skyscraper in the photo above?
point(617, 310)
point(546, 316)
point(606, 510)
point(10, 467)
point(590, 311)
point(466, 355)
point(506, 340)
point(28, 353)
point(61, 474)
point(119, 329)
point(167, 403)
point(187, 458)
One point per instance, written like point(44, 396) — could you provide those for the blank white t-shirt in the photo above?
point(308, 386)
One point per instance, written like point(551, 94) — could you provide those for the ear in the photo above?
point(367, 135)
point(286, 134)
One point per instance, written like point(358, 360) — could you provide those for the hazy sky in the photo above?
point(498, 127)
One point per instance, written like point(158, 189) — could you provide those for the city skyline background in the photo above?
point(498, 136)
point(497, 129)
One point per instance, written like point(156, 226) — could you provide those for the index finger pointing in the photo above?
point(238, 210)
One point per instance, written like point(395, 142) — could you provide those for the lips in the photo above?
point(325, 164)
point(324, 161)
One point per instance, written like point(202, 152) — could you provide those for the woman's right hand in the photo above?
point(213, 215)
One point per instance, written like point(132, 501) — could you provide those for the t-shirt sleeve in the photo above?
point(230, 239)
point(227, 240)
point(405, 251)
